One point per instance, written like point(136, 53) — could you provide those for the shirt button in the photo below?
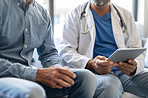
point(23, 57)
point(18, 4)
point(25, 46)
point(26, 29)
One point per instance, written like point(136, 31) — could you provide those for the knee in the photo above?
point(86, 77)
point(85, 84)
point(112, 84)
point(19, 88)
point(108, 86)
point(83, 74)
point(34, 90)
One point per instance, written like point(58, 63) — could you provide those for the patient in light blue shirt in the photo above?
point(24, 26)
point(20, 32)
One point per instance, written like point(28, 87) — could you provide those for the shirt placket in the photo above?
point(21, 4)
point(26, 38)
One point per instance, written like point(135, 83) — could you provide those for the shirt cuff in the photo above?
point(85, 62)
point(56, 65)
point(30, 73)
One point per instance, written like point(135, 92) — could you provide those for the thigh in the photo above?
point(137, 84)
point(19, 88)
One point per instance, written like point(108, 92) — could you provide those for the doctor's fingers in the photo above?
point(133, 62)
point(101, 58)
point(124, 70)
point(102, 71)
point(127, 66)
point(105, 63)
point(106, 69)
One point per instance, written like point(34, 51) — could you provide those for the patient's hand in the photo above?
point(55, 77)
point(100, 65)
point(127, 68)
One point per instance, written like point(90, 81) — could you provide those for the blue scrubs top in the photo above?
point(105, 43)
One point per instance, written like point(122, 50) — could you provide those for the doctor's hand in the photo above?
point(55, 77)
point(100, 65)
point(128, 68)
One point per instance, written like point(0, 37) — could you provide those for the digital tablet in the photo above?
point(124, 54)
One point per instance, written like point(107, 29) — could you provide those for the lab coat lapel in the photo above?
point(90, 22)
point(117, 30)
point(91, 27)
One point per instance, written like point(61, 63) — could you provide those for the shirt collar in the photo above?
point(19, 1)
point(22, 3)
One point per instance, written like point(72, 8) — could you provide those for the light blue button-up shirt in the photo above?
point(21, 31)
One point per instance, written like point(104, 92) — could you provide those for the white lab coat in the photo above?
point(76, 47)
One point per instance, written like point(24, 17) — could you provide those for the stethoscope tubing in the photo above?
point(123, 25)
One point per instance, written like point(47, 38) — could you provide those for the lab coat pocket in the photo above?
point(84, 42)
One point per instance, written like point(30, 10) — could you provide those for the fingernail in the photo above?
point(73, 82)
point(68, 68)
point(111, 62)
point(74, 75)
point(69, 85)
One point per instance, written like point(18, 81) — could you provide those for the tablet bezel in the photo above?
point(124, 54)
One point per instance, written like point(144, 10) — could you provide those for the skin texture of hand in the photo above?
point(127, 68)
point(100, 65)
point(56, 77)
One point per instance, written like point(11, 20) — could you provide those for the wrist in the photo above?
point(39, 71)
point(89, 64)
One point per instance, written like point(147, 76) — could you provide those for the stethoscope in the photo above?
point(83, 26)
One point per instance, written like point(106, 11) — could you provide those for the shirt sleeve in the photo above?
point(17, 70)
point(48, 54)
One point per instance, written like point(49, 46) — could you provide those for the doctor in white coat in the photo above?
point(91, 33)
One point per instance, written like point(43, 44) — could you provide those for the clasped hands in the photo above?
point(101, 66)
